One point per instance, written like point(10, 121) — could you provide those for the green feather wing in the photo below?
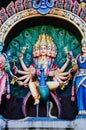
point(27, 38)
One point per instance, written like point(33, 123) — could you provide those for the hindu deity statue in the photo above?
point(4, 78)
point(44, 71)
point(79, 65)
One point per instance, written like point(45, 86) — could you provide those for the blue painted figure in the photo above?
point(43, 88)
point(80, 79)
point(43, 6)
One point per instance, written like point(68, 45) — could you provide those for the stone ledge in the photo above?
point(40, 123)
point(78, 124)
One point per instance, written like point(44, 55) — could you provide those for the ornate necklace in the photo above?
point(82, 59)
point(43, 61)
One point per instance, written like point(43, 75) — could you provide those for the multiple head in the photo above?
point(44, 47)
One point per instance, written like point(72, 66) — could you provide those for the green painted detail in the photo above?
point(27, 38)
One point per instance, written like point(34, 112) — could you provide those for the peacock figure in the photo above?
point(43, 88)
point(33, 63)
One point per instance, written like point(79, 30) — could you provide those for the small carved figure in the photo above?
point(4, 79)
point(79, 65)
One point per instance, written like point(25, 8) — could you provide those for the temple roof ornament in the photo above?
point(25, 9)
point(43, 6)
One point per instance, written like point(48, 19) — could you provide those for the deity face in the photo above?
point(53, 52)
point(43, 50)
point(36, 52)
point(49, 50)
point(84, 48)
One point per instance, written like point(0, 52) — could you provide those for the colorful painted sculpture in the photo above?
point(83, 14)
point(10, 9)
point(19, 6)
point(76, 8)
point(3, 15)
point(59, 4)
point(44, 52)
point(4, 79)
point(43, 6)
point(80, 79)
point(68, 5)
point(27, 79)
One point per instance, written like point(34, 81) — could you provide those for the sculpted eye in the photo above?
point(28, 46)
point(15, 43)
point(10, 59)
point(26, 34)
point(61, 33)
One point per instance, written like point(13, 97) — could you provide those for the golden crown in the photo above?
point(46, 40)
point(43, 40)
point(36, 45)
point(38, 42)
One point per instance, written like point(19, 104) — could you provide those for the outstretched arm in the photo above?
point(22, 63)
point(62, 69)
point(22, 77)
point(20, 71)
point(58, 72)
point(74, 65)
point(57, 79)
point(64, 73)
point(27, 79)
